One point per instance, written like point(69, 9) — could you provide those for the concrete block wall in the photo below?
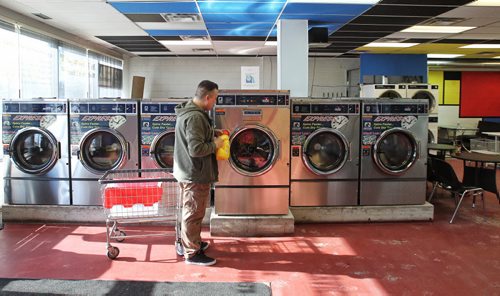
point(178, 77)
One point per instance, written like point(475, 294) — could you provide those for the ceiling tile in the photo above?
point(239, 32)
point(339, 19)
point(155, 7)
point(400, 10)
point(239, 26)
point(373, 28)
point(239, 18)
point(315, 8)
point(388, 20)
point(427, 2)
point(176, 32)
point(474, 12)
point(172, 26)
point(242, 38)
point(240, 7)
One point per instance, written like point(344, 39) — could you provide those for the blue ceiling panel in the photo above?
point(247, 26)
point(239, 18)
point(315, 8)
point(330, 18)
point(239, 32)
point(251, 1)
point(240, 7)
point(155, 7)
point(177, 32)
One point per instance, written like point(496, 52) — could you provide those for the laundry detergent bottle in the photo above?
point(223, 152)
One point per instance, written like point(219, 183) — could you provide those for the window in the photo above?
point(9, 59)
point(105, 74)
point(73, 71)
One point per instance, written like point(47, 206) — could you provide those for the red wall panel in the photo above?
point(480, 94)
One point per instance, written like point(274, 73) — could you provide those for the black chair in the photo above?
point(431, 176)
point(449, 181)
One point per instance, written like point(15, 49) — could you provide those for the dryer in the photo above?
point(433, 129)
point(157, 130)
point(324, 152)
point(393, 152)
point(256, 178)
point(392, 91)
point(429, 92)
point(36, 154)
point(103, 136)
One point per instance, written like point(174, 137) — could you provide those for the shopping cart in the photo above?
point(139, 196)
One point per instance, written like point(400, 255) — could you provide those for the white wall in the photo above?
point(178, 77)
point(448, 115)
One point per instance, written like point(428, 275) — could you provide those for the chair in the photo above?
point(431, 176)
point(449, 181)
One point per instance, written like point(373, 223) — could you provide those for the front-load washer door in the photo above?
point(103, 149)
point(254, 150)
point(325, 151)
point(390, 94)
point(395, 151)
point(34, 150)
point(425, 95)
point(162, 149)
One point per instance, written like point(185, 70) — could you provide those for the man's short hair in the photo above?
point(204, 88)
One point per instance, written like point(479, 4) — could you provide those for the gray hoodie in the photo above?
point(194, 148)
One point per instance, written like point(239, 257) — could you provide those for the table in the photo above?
point(497, 136)
point(441, 149)
point(456, 130)
point(479, 175)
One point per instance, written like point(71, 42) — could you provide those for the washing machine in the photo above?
point(36, 154)
point(324, 146)
point(103, 136)
point(433, 129)
point(429, 92)
point(392, 91)
point(157, 130)
point(256, 178)
point(393, 152)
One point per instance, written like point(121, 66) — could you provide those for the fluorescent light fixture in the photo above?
point(436, 29)
point(481, 46)
point(491, 64)
point(390, 44)
point(271, 43)
point(443, 55)
point(485, 3)
point(185, 42)
point(497, 57)
point(335, 1)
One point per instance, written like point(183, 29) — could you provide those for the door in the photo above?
point(325, 151)
point(254, 150)
point(34, 150)
point(425, 95)
point(162, 149)
point(395, 151)
point(103, 149)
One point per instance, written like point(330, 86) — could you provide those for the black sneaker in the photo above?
point(201, 259)
point(179, 249)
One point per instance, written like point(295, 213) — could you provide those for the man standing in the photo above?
point(195, 167)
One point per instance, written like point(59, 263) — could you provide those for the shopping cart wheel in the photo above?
point(113, 252)
point(120, 235)
point(179, 249)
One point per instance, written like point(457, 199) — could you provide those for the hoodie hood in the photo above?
point(186, 107)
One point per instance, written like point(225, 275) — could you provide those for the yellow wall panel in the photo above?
point(451, 92)
point(436, 77)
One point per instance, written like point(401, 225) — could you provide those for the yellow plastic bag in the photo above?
point(223, 152)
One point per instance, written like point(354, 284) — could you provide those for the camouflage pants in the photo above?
point(194, 201)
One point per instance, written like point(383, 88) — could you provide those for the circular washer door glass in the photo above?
point(163, 150)
point(253, 151)
point(102, 151)
point(325, 152)
point(34, 151)
point(396, 151)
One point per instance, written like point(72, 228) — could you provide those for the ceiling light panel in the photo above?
point(481, 46)
point(152, 7)
point(485, 3)
point(240, 7)
point(436, 29)
point(186, 42)
point(171, 26)
point(443, 55)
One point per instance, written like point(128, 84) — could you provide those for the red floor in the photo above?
point(416, 258)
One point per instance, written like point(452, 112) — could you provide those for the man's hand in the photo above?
point(218, 142)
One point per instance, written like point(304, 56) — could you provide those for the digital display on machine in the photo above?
point(283, 100)
point(256, 100)
point(333, 108)
point(395, 108)
point(42, 108)
point(108, 108)
point(167, 108)
point(10, 107)
point(226, 100)
point(301, 108)
point(150, 108)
